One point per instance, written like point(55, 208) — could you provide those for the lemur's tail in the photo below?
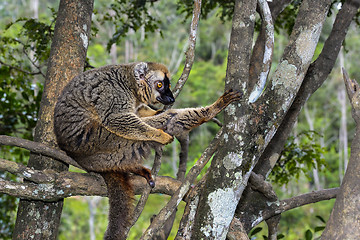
point(121, 197)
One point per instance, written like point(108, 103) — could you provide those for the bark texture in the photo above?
point(318, 71)
point(344, 222)
point(219, 197)
point(250, 127)
point(37, 219)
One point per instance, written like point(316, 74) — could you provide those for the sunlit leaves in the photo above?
point(33, 36)
point(300, 155)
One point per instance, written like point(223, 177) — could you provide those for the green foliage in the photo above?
point(20, 97)
point(298, 157)
point(286, 19)
point(257, 230)
point(308, 235)
point(7, 214)
point(33, 35)
point(75, 218)
point(129, 14)
point(19, 104)
point(311, 233)
point(205, 85)
point(225, 8)
point(24, 46)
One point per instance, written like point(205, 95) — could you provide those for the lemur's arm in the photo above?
point(132, 127)
point(177, 121)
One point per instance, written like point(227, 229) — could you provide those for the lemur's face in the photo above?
point(161, 89)
point(153, 83)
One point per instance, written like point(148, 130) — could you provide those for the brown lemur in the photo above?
point(103, 121)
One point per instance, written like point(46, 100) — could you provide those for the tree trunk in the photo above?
point(344, 222)
point(315, 76)
point(36, 219)
point(249, 127)
point(218, 199)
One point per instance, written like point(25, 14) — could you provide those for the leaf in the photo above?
point(308, 235)
point(280, 236)
point(25, 96)
point(255, 231)
point(320, 218)
point(319, 228)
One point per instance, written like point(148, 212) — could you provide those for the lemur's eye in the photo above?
point(159, 84)
point(169, 85)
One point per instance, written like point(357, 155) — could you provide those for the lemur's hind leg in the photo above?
point(143, 172)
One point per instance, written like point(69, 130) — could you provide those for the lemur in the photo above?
point(103, 121)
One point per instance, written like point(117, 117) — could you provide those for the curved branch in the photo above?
point(276, 208)
point(190, 52)
point(258, 183)
point(20, 170)
point(66, 184)
point(268, 31)
point(38, 148)
point(166, 212)
point(21, 70)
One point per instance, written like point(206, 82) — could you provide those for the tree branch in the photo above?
point(27, 173)
point(315, 76)
point(63, 184)
point(184, 148)
point(301, 200)
point(33, 62)
point(265, 59)
point(21, 70)
point(256, 63)
point(277, 6)
point(166, 212)
point(38, 148)
point(274, 208)
point(344, 221)
point(190, 52)
point(273, 224)
point(237, 231)
point(66, 184)
point(258, 183)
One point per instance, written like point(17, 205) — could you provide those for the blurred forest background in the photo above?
point(315, 156)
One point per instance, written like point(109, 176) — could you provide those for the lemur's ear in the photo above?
point(140, 71)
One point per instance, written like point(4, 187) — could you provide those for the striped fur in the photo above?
point(102, 120)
